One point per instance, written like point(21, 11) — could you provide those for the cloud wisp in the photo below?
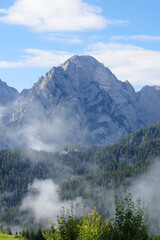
point(38, 58)
point(64, 38)
point(137, 38)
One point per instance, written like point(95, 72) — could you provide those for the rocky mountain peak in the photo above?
point(90, 68)
point(80, 61)
point(77, 74)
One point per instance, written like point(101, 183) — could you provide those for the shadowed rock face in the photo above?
point(82, 101)
point(149, 104)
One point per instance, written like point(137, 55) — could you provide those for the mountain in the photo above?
point(7, 94)
point(81, 101)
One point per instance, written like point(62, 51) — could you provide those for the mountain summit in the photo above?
point(80, 101)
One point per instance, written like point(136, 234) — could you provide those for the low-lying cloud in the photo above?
point(148, 189)
point(43, 201)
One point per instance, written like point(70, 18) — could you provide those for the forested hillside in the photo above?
point(87, 173)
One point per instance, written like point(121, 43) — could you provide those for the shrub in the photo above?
point(93, 227)
point(66, 227)
point(131, 220)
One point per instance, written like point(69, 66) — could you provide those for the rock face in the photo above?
point(7, 94)
point(149, 104)
point(82, 101)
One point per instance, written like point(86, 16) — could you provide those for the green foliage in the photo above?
point(2, 229)
point(131, 221)
point(9, 231)
point(50, 234)
point(33, 234)
point(66, 226)
point(4, 236)
point(92, 227)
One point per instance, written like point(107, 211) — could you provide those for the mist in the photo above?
point(43, 202)
point(147, 188)
point(40, 128)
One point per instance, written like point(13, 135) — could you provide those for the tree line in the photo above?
point(130, 222)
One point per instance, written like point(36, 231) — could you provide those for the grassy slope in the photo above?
point(10, 237)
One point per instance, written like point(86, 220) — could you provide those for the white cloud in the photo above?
point(6, 64)
point(38, 58)
point(137, 37)
point(129, 62)
point(50, 15)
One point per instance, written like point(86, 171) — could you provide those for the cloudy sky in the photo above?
point(38, 34)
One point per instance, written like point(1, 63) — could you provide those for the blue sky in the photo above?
point(38, 34)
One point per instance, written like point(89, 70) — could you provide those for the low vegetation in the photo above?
point(4, 236)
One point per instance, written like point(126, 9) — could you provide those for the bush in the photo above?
point(93, 227)
point(66, 227)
